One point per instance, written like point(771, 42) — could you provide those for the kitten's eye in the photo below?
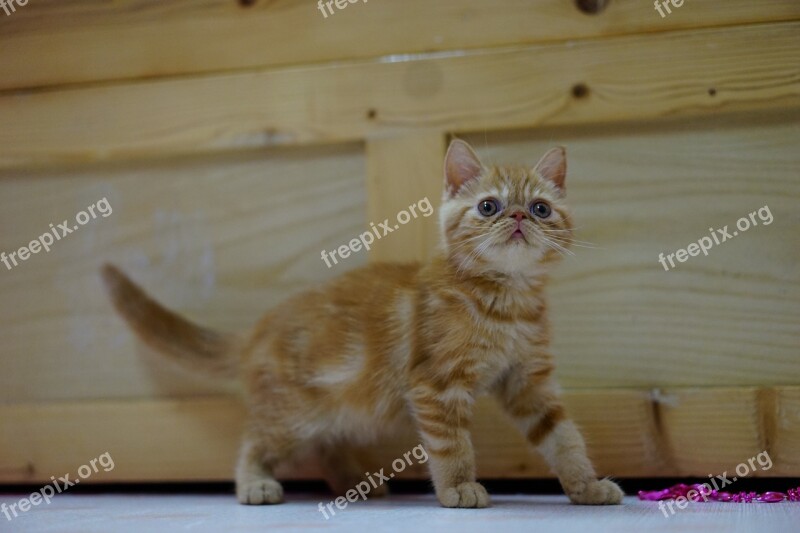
point(541, 210)
point(488, 207)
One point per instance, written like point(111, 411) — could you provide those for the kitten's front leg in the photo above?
point(532, 400)
point(443, 418)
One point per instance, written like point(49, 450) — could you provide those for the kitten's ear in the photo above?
point(461, 165)
point(553, 166)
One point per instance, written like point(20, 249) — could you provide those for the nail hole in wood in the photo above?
point(712, 92)
point(592, 7)
point(371, 114)
point(580, 90)
point(247, 3)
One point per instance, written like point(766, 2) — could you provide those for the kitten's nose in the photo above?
point(519, 215)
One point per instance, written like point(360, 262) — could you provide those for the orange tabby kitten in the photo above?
point(342, 364)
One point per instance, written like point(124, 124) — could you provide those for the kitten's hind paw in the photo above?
point(259, 492)
point(602, 492)
point(465, 495)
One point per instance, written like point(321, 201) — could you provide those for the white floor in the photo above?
point(83, 513)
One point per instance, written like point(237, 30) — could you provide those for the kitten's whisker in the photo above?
point(470, 239)
point(578, 244)
point(462, 244)
point(476, 252)
point(569, 239)
point(557, 247)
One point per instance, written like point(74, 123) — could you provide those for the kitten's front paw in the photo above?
point(602, 492)
point(469, 494)
point(260, 492)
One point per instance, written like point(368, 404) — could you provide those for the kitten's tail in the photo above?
point(192, 347)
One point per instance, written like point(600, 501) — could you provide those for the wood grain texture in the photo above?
point(624, 78)
point(219, 239)
point(637, 190)
point(402, 171)
point(197, 439)
point(784, 441)
point(50, 42)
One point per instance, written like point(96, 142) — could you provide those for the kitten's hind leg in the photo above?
point(255, 481)
point(346, 466)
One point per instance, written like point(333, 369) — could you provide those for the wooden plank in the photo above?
point(612, 80)
point(148, 439)
point(208, 238)
point(728, 319)
point(177, 439)
point(784, 432)
point(401, 172)
point(220, 239)
point(696, 444)
point(56, 43)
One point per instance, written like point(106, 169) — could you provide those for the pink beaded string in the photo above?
point(702, 493)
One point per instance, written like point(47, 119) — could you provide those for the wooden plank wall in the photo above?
point(82, 41)
point(672, 74)
point(235, 140)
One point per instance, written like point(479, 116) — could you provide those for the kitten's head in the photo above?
point(504, 219)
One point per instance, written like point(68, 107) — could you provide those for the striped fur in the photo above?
point(394, 346)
